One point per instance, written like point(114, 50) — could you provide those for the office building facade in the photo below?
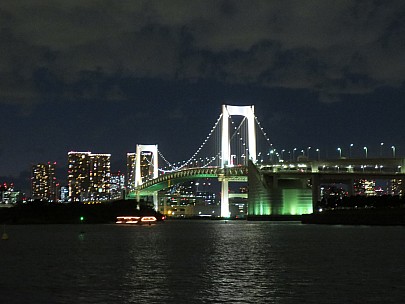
point(130, 179)
point(89, 177)
point(43, 182)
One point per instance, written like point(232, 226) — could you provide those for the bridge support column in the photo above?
point(225, 198)
point(155, 201)
point(402, 169)
point(350, 187)
point(315, 191)
point(274, 182)
point(138, 200)
point(145, 148)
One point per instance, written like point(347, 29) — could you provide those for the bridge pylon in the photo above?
point(227, 111)
point(138, 174)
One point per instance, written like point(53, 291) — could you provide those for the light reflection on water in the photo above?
point(203, 262)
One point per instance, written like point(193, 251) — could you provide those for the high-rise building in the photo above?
point(43, 182)
point(145, 166)
point(78, 175)
point(9, 196)
point(64, 194)
point(396, 187)
point(100, 174)
point(130, 183)
point(364, 187)
point(117, 185)
point(89, 176)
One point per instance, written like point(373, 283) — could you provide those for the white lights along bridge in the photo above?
point(224, 154)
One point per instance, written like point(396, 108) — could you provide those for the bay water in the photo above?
point(192, 261)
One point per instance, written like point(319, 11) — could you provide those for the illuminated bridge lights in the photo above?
point(381, 166)
point(228, 144)
point(212, 172)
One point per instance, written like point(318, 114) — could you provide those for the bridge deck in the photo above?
point(340, 169)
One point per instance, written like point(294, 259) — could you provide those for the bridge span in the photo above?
point(234, 154)
point(237, 173)
point(269, 184)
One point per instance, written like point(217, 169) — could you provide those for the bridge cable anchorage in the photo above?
point(193, 157)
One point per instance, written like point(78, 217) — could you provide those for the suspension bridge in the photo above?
point(233, 151)
point(224, 154)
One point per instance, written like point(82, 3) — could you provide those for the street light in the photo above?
point(350, 150)
point(295, 149)
point(282, 154)
point(319, 154)
point(365, 150)
point(308, 152)
point(340, 152)
point(393, 151)
point(381, 148)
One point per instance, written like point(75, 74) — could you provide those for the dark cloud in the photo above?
point(105, 75)
point(328, 47)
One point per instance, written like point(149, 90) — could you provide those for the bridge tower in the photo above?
point(138, 175)
point(227, 111)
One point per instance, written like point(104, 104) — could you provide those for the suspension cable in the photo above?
point(185, 163)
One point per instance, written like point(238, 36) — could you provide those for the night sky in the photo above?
point(102, 76)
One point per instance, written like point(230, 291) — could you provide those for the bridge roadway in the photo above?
point(336, 170)
point(344, 171)
point(380, 168)
point(237, 173)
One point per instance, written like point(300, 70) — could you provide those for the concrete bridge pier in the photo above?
point(316, 181)
point(138, 200)
point(274, 182)
point(155, 201)
point(350, 187)
point(225, 197)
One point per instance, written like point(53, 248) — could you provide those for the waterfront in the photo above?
point(203, 262)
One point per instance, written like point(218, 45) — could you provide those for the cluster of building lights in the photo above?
point(90, 179)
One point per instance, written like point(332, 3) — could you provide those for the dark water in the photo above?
point(203, 262)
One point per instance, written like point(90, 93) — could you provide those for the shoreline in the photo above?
point(370, 217)
point(104, 214)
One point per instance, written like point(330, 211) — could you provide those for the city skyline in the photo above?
point(378, 150)
point(94, 172)
point(78, 77)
